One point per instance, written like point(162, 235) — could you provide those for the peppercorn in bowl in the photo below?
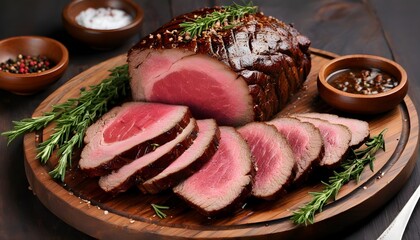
point(29, 64)
point(362, 84)
point(102, 24)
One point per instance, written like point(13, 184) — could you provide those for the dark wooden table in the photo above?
point(388, 28)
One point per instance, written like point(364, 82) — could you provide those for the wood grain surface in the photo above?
point(80, 202)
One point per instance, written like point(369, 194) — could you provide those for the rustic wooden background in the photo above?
point(388, 28)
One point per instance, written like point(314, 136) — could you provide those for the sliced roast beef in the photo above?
point(359, 129)
point(223, 182)
point(336, 139)
point(273, 158)
point(203, 148)
point(305, 141)
point(149, 165)
point(128, 132)
point(235, 75)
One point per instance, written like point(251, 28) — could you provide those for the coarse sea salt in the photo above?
point(103, 18)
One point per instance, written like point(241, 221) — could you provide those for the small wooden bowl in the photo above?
point(102, 39)
point(29, 83)
point(360, 103)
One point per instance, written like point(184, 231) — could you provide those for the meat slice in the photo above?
point(247, 72)
point(203, 148)
point(128, 132)
point(306, 143)
point(359, 129)
point(273, 158)
point(151, 164)
point(225, 181)
point(336, 139)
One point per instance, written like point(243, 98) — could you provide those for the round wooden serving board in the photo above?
point(81, 203)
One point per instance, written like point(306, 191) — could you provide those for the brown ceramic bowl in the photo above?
point(30, 83)
point(362, 103)
point(102, 39)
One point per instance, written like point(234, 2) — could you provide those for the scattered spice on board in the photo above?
point(26, 64)
point(103, 18)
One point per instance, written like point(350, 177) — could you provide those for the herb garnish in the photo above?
point(352, 170)
point(158, 210)
point(72, 119)
point(227, 16)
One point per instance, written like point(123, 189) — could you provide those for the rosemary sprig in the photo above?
point(351, 170)
point(158, 210)
point(228, 14)
point(72, 118)
point(31, 124)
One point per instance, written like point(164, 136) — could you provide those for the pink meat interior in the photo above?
point(181, 88)
point(220, 173)
point(132, 122)
point(298, 140)
point(330, 136)
point(208, 87)
point(267, 158)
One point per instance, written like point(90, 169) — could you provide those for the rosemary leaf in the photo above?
point(351, 170)
point(158, 210)
point(229, 15)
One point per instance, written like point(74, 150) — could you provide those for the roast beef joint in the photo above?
point(234, 75)
point(201, 121)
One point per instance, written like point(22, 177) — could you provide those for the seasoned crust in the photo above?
point(271, 56)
